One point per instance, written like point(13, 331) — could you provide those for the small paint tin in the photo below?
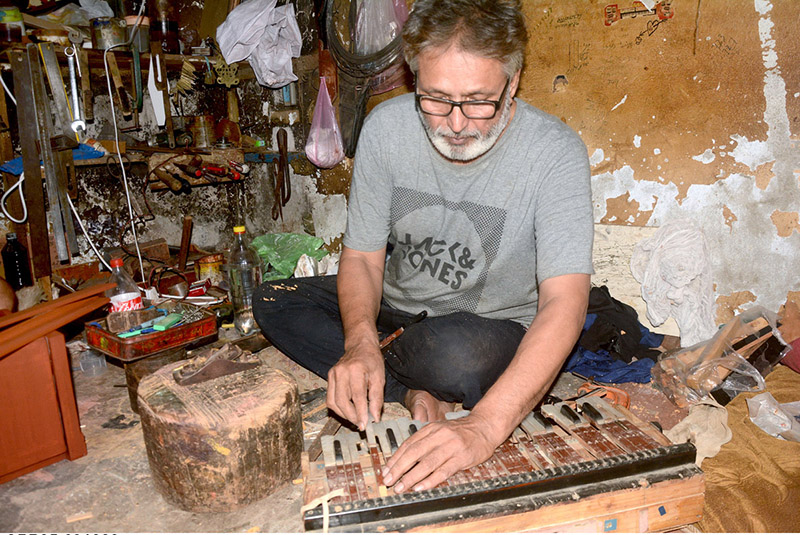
point(108, 32)
point(210, 267)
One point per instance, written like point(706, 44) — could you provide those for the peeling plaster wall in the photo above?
point(693, 116)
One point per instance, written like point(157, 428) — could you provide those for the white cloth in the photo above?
point(675, 271)
point(706, 427)
point(267, 36)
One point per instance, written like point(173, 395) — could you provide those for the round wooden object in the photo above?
point(223, 443)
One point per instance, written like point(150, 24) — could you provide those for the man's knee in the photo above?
point(295, 295)
point(456, 357)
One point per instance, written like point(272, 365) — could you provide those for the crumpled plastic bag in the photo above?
point(778, 420)
point(376, 26)
point(324, 147)
point(96, 8)
point(688, 375)
point(311, 267)
point(72, 15)
point(265, 35)
point(281, 252)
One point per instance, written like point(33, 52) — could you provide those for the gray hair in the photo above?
point(488, 28)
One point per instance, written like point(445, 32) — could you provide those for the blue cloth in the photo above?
point(83, 152)
point(601, 366)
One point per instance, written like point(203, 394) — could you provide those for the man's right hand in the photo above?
point(355, 385)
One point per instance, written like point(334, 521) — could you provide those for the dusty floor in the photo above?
point(111, 488)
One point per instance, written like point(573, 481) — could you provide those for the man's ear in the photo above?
point(514, 85)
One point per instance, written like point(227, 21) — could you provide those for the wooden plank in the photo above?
point(34, 192)
point(59, 360)
point(17, 336)
point(29, 418)
point(11, 319)
point(591, 513)
point(46, 132)
point(186, 241)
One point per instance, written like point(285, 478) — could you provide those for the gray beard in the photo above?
point(480, 143)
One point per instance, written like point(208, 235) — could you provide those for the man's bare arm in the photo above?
point(439, 450)
point(355, 383)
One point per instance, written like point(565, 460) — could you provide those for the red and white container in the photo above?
point(126, 295)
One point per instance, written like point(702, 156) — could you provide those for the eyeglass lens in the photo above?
point(472, 110)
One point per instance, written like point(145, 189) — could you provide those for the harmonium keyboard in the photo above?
point(594, 467)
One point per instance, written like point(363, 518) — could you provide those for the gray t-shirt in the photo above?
point(475, 237)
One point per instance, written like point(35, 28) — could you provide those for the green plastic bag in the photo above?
point(281, 251)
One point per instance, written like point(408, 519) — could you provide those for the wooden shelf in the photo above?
point(125, 60)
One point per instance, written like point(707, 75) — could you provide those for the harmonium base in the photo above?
point(595, 469)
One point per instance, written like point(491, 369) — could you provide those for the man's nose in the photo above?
point(456, 121)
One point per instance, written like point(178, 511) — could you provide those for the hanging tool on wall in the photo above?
point(158, 87)
point(78, 124)
point(176, 183)
point(193, 168)
point(138, 92)
point(52, 71)
point(84, 75)
point(54, 138)
point(222, 172)
point(119, 88)
point(282, 185)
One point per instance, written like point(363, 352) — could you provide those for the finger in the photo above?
point(408, 455)
point(430, 465)
point(330, 397)
point(342, 399)
point(376, 385)
point(435, 478)
point(358, 386)
point(346, 407)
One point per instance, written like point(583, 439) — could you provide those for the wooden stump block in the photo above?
point(223, 443)
point(138, 369)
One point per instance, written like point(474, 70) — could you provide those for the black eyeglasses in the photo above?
point(472, 109)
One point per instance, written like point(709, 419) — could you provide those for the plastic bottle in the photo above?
point(126, 295)
point(15, 262)
point(244, 275)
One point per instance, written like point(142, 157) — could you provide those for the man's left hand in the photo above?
point(437, 451)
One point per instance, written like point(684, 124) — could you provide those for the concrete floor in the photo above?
point(111, 488)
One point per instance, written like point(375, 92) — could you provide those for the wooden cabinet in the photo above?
point(38, 414)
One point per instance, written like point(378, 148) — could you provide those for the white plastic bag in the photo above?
point(376, 26)
point(324, 147)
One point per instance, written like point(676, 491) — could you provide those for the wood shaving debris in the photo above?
point(79, 516)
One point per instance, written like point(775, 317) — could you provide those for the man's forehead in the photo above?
point(451, 69)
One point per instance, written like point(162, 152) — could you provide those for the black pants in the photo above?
point(456, 357)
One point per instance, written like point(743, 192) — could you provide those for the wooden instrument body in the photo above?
point(604, 471)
